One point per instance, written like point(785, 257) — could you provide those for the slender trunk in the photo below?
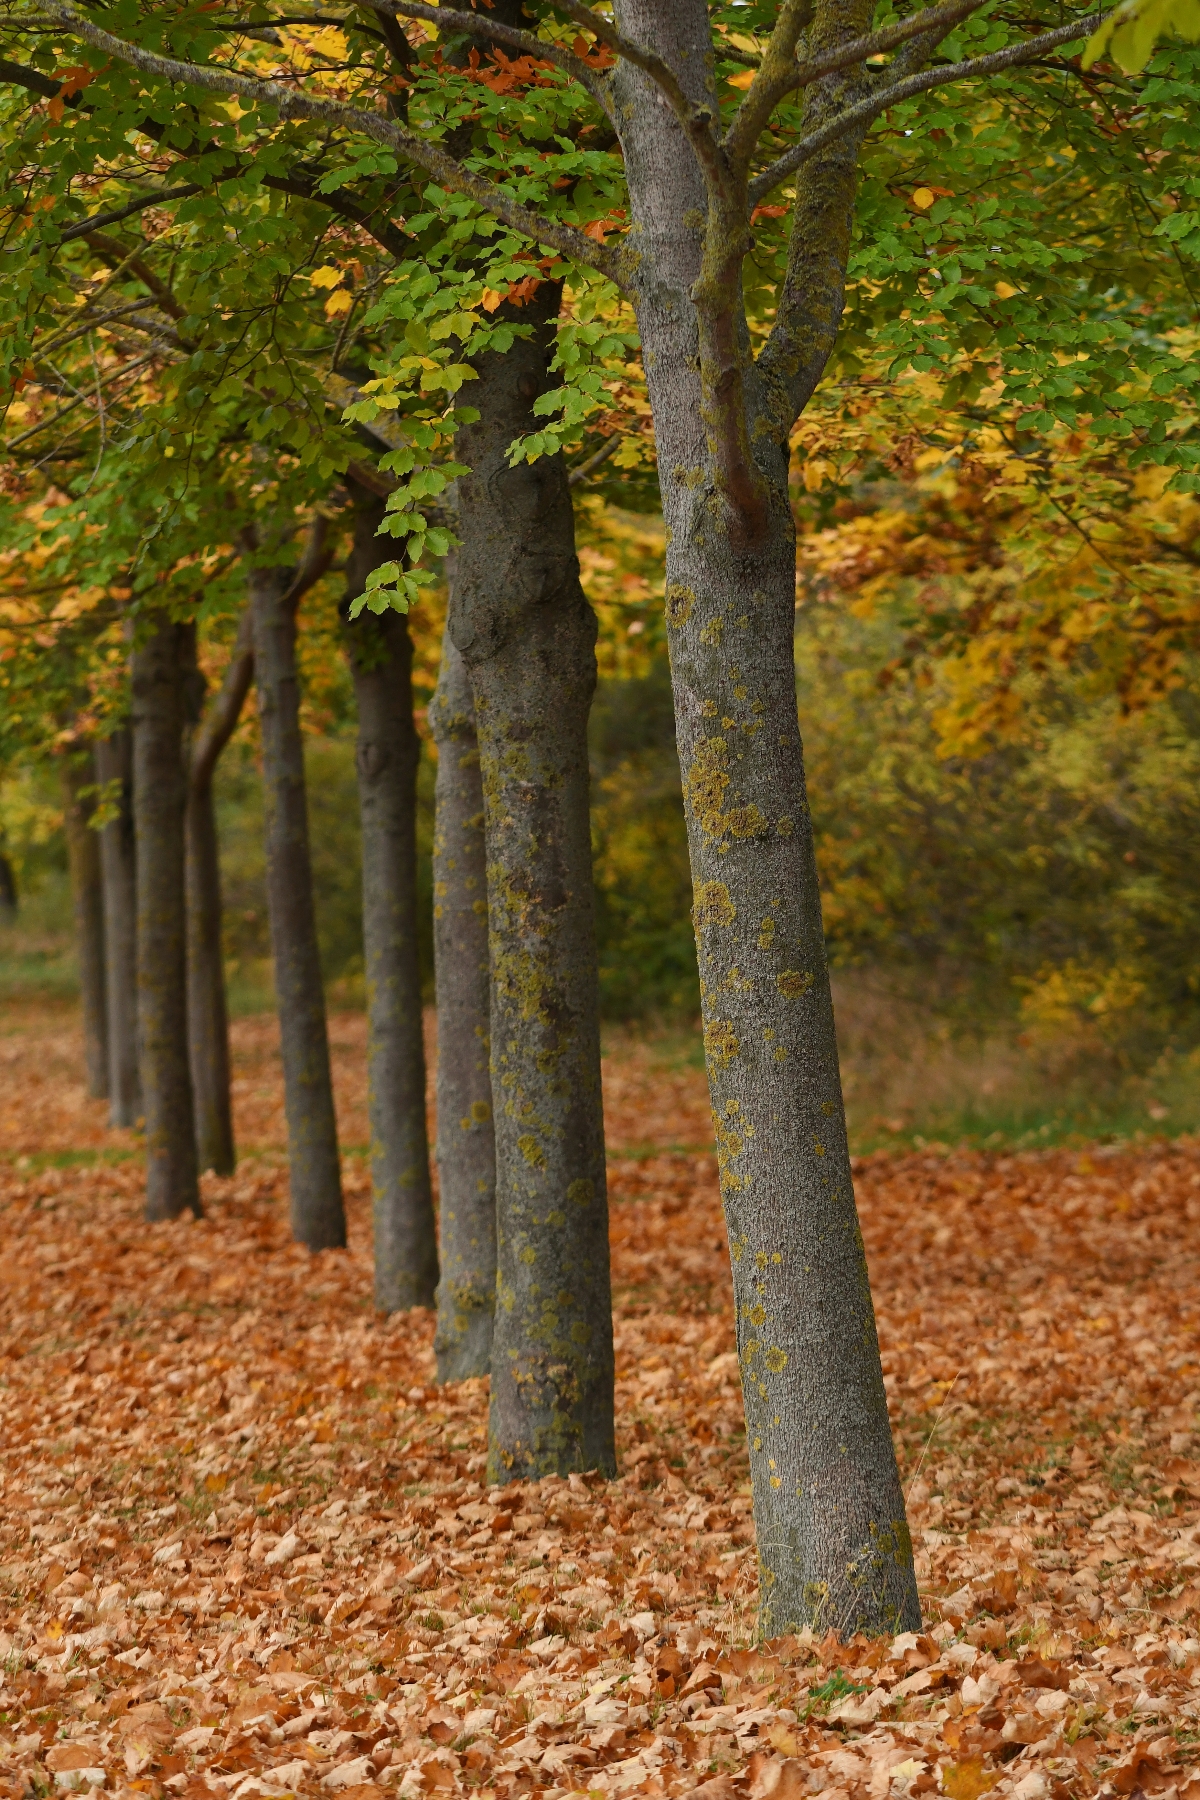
point(114, 765)
point(208, 1023)
point(527, 634)
point(8, 889)
point(466, 1145)
point(160, 666)
point(389, 750)
point(318, 1217)
point(833, 1542)
point(87, 892)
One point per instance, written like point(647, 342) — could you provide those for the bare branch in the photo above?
point(866, 110)
point(218, 724)
point(98, 221)
point(318, 554)
point(444, 168)
point(598, 458)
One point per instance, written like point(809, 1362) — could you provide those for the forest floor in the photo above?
point(246, 1546)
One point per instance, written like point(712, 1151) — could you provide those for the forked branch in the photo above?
point(857, 117)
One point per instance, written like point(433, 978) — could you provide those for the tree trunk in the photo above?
point(527, 634)
point(160, 666)
point(389, 750)
point(834, 1546)
point(8, 890)
point(208, 1022)
point(466, 1145)
point(318, 1217)
point(87, 892)
point(118, 867)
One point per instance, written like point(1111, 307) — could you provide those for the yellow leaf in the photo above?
point(967, 1780)
point(491, 299)
point(924, 198)
point(744, 79)
point(327, 277)
point(341, 302)
point(1003, 290)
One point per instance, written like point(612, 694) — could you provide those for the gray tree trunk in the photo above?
point(466, 1145)
point(833, 1542)
point(160, 665)
point(87, 893)
point(318, 1217)
point(208, 1019)
point(118, 867)
point(520, 621)
point(389, 751)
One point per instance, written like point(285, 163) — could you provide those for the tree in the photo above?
point(521, 623)
point(118, 865)
point(466, 1145)
point(318, 1217)
point(389, 750)
point(87, 893)
point(208, 1022)
point(162, 656)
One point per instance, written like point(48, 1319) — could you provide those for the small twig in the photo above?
point(941, 1409)
point(584, 469)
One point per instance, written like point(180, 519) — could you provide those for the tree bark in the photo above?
point(118, 867)
point(389, 750)
point(318, 1217)
point(208, 1019)
point(833, 1542)
point(520, 621)
point(466, 1144)
point(160, 666)
point(87, 892)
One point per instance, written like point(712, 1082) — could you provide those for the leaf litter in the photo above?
point(247, 1546)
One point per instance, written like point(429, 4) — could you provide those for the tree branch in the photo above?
point(219, 723)
point(99, 221)
point(492, 31)
point(699, 122)
point(777, 75)
point(436, 162)
point(866, 110)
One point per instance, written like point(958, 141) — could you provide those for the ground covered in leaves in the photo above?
point(246, 1546)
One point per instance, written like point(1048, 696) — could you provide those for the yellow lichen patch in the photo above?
point(720, 1042)
point(706, 784)
point(775, 1359)
point(784, 826)
point(746, 822)
point(711, 633)
point(766, 936)
point(714, 905)
point(532, 1151)
point(794, 982)
point(582, 1192)
point(680, 601)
